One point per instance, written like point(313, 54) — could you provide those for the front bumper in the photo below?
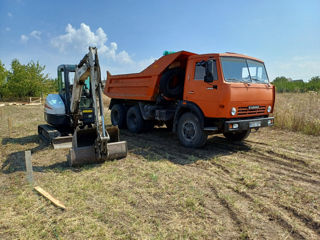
point(246, 124)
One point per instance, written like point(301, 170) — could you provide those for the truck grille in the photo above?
point(247, 111)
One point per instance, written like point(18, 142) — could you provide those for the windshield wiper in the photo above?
point(233, 80)
point(257, 80)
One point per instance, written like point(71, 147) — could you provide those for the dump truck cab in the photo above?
point(229, 86)
point(195, 95)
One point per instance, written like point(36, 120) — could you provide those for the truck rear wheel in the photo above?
point(189, 131)
point(135, 122)
point(237, 136)
point(118, 116)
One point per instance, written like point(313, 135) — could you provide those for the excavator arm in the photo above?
point(94, 143)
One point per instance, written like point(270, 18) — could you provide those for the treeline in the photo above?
point(29, 80)
point(25, 80)
point(284, 85)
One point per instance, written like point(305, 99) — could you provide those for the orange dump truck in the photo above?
point(194, 95)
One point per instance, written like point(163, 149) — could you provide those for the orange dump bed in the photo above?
point(143, 85)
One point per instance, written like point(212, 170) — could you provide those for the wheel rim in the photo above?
point(189, 130)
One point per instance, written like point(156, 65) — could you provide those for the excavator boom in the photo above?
point(94, 143)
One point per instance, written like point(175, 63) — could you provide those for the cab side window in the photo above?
point(62, 82)
point(200, 70)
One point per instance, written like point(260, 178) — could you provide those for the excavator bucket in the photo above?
point(87, 150)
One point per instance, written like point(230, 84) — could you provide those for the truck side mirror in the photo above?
point(209, 71)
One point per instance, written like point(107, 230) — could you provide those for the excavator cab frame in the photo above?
point(64, 83)
point(87, 114)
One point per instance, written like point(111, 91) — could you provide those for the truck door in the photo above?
point(197, 90)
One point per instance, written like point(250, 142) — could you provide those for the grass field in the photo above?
point(298, 112)
point(265, 188)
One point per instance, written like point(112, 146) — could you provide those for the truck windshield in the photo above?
point(243, 70)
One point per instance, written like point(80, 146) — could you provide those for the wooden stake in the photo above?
point(27, 156)
point(49, 197)
point(9, 126)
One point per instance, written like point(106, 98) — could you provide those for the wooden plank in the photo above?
point(27, 157)
point(47, 195)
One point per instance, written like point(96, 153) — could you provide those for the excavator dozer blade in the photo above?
point(62, 142)
point(116, 149)
point(85, 151)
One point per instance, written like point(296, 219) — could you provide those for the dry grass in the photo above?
point(298, 112)
point(265, 188)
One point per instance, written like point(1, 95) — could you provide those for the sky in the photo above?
point(130, 35)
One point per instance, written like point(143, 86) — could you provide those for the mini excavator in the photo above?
point(75, 116)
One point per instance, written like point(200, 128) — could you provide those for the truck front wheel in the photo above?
point(135, 122)
point(189, 131)
point(118, 116)
point(237, 136)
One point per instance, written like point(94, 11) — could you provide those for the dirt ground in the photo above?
point(264, 188)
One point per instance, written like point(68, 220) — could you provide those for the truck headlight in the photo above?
point(233, 111)
point(269, 109)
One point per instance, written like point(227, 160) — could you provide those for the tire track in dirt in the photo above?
point(272, 215)
point(257, 157)
point(223, 202)
point(272, 157)
point(178, 154)
point(302, 179)
point(291, 173)
point(256, 146)
point(307, 220)
point(288, 167)
point(269, 214)
point(301, 155)
point(240, 224)
point(233, 216)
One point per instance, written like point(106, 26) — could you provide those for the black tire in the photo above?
point(237, 136)
point(189, 130)
point(171, 83)
point(135, 122)
point(118, 116)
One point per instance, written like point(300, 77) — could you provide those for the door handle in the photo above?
point(191, 92)
point(213, 87)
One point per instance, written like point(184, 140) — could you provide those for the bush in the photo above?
point(282, 85)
